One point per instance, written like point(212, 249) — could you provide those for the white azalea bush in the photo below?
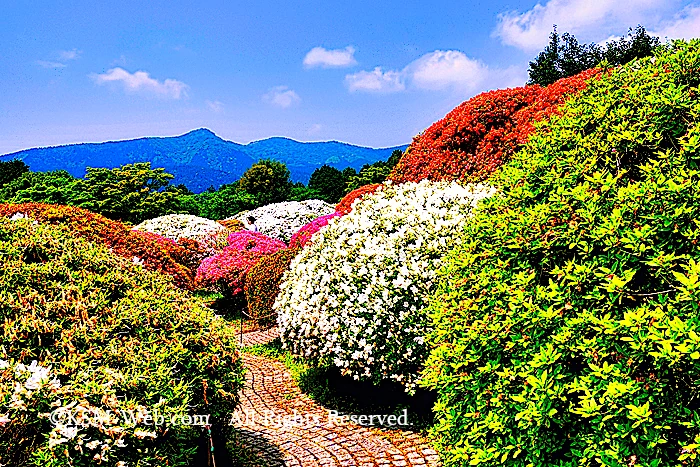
point(356, 294)
point(210, 235)
point(282, 220)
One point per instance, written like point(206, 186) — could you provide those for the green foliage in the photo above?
point(300, 192)
point(130, 193)
point(11, 170)
point(225, 202)
point(117, 337)
point(329, 182)
point(56, 187)
point(564, 56)
point(268, 181)
point(567, 325)
point(370, 174)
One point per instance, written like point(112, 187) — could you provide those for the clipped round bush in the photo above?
point(304, 234)
point(345, 204)
point(282, 220)
point(227, 270)
point(86, 332)
point(479, 135)
point(155, 253)
point(202, 236)
point(356, 295)
point(262, 283)
point(567, 327)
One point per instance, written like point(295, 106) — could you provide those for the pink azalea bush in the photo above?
point(227, 270)
point(304, 234)
point(254, 241)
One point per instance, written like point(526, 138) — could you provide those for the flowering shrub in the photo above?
point(566, 327)
point(356, 295)
point(304, 234)
point(227, 270)
point(110, 340)
point(210, 236)
point(345, 204)
point(153, 252)
point(254, 241)
point(233, 225)
point(479, 135)
point(262, 283)
point(282, 220)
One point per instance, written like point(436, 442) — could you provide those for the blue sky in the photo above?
point(372, 73)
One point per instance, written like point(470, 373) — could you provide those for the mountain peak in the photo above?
point(201, 133)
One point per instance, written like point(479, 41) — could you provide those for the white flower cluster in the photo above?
point(282, 220)
point(210, 234)
point(29, 393)
point(356, 295)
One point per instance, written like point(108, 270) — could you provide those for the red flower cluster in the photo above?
point(300, 238)
point(156, 252)
point(228, 269)
point(345, 205)
point(262, 283)
point(479, 135)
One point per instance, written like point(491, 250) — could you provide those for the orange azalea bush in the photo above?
point(345, 205)
point(262, 283)
point(154, 252)
point(479, 135)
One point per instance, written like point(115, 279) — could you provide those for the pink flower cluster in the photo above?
point(300, 238)
point(254, 241)
point(227, 270)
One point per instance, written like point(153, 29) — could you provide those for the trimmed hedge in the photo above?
point(156, 253)
point(262, 283)
point(567, 325)
point(106, 335)
point(345, 204)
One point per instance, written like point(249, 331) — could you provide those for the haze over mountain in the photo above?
point(200, 159)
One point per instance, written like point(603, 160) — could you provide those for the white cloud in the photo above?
point(684, 25)
point(315, 128)
point(334, 58)
point(121, 61)
point(447, 68)
point(376, 81)
point(215, 106)
point(438, 70)
point(69, 54)
point(142, 81)
point(45, 64)
point(281, 96)
point(530, 30)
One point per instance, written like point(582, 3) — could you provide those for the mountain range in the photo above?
point(200, 159)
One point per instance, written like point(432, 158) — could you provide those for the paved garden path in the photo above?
point(285, 427)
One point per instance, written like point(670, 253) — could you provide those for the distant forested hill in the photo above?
point(200, 159)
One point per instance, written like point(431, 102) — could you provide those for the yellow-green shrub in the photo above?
point(567, 324)
point(116, 337)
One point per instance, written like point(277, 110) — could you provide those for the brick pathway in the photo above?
point(285, 427)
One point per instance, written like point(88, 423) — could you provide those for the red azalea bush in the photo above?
point(156, 253)
point(479, 135)
point(345, 205)
point(300, 238)
point(262, 283)
point(254, 241)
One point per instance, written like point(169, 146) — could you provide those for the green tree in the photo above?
point(394, 159)
point(130, 193)
point(225, 202)
point(268, 181)
point(12, 170)
point(564, 56)
point(55, 187)
point(329, 182)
